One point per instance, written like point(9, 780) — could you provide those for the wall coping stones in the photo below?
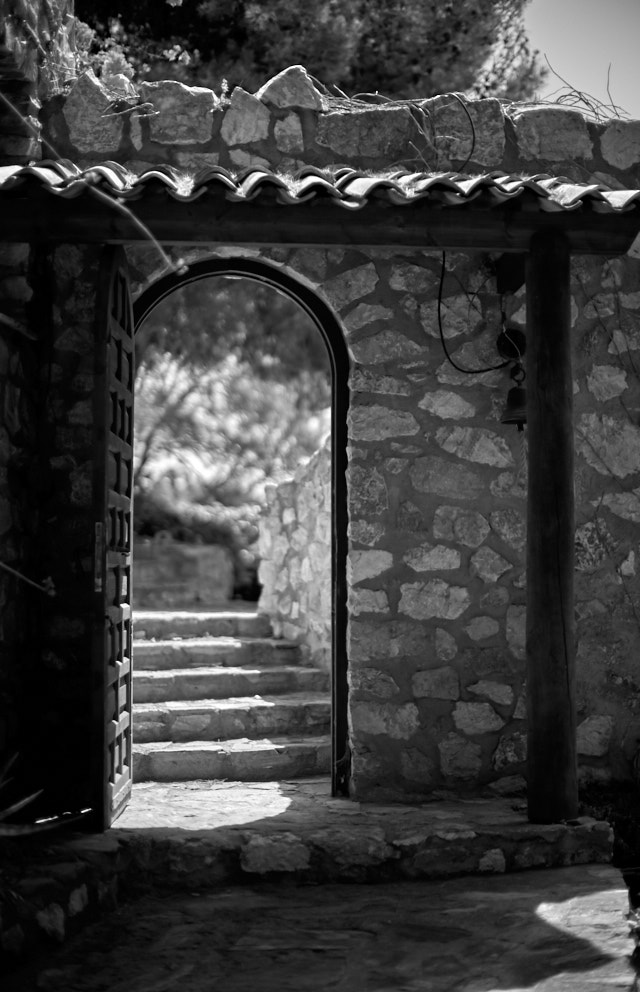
point(620, 144)
point(552, 133)
point(89, 130)
point(453, 137)
point(293, 87)
point(389, 132)
point(246, 119)
point(183, 113)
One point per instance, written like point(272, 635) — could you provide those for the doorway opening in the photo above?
point(243, 369)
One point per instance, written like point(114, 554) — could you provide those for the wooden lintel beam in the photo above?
point(213, 220)
point(552, 765)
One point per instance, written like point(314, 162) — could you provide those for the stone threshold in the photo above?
point(200, 834)
point(195, 836)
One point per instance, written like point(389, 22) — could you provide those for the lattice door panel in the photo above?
point(114, 529)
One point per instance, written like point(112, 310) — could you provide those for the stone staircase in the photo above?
point(216, 697)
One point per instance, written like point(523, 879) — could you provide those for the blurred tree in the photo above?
point(208, 320)
point(400, 48)
point(233, 390)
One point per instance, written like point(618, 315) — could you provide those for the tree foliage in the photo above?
point(400, 48)
point(216, 317)
point(232, 391)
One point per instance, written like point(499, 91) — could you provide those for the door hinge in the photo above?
point(98, 545)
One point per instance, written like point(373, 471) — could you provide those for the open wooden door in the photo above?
point(113, 532)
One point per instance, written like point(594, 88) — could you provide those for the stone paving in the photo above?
point(204, 833)
point(557, 930)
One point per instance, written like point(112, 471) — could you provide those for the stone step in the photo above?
point(165, 624)
point(194, 652)
point(221, 683)
point(298, 714)
point(239, 760)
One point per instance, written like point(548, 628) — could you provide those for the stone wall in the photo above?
point(171, 574)
point(435, 483)
point(33, 38)
point(295, 558)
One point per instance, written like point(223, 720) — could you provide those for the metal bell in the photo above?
point(516, 408)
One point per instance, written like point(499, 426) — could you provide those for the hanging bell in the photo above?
point(516, 408)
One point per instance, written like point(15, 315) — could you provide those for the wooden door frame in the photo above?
point(333, 337)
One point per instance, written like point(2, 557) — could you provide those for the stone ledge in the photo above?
point(200, 834)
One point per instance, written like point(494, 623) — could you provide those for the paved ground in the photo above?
point(199, 834)
point(552, 930)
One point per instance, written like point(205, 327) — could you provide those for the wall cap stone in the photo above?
point(552, 133)
point(293, 87)
point(184, 113)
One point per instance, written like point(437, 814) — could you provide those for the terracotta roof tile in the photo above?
point(347, 187)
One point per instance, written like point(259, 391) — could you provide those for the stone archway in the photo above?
point(331, 332)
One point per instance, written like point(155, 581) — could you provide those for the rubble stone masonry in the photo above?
point(436, 484)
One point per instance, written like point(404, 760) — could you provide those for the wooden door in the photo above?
point(113, 530)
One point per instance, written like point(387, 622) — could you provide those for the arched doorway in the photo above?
point(338, 359)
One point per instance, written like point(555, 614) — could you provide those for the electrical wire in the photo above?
point(460, 368)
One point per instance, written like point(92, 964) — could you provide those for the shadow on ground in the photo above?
point(555, 929)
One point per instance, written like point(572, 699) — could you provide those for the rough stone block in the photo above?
point(417, 767)
point(475, 444)
point(489, 565)
point(430, 558)
point(457, 313)
point(496, 692)
point(288, 135)
point(367, 491)
point(351, 285)
point(246, 119)
point(293, 87)
point(620, 144)
point(388, 346)
point(495, 598)
point(511, 526)
point(552, 133)
point(399, 722)
point(441, 478)
point(409, 278)
point(476, 718)
point(611, 445)
point(511, 750)
point(517, 630)
point(454, 138)
point(435, 598)
point(390, 639)
point(184, 113)
point(373, 681)
point(481, 628)
point(459, 758)
point(446, 647)
point(493, 862)
point(363, 565)
point(364, 532)
point(375, 423)
point(456, 523)
point(52, 920)
point(625, 505)
point(84, 108)
point(436, 683)
point(366, 313)
point(378, 133)
point(284, 852)
point(446, 405)
point(367, 601)
point(594, 736)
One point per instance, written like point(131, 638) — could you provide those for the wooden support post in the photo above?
point(552, 764)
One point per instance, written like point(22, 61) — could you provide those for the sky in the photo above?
point(581, 38)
